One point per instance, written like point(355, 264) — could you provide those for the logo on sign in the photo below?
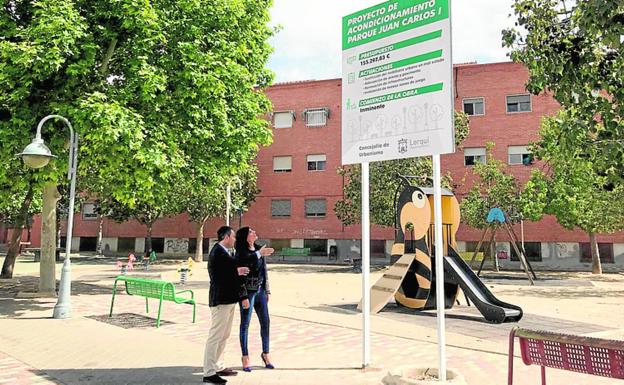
point(402, 146)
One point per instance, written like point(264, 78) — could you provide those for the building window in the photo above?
point(604, 249)
point(282, 164)
point(474, 156)
point(316, 117)
point(126, 245)
point(519, 103)
point(283, 119)
point(533, 251)
point(317, 162)
point(519, 155)
point(317, 246)
point(474, 106)
point(280, 208)
point(88, 211)
point(158, 245)
point(315, 207)
point(87, 244)
point(279, 244)
point(192, 245)
point(378, 248)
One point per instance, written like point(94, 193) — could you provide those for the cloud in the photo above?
point(309, 44)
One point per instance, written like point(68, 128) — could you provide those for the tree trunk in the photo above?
point(98, 248)
point(58, 230)
point(493, 252)
point(16, 237)
point(148, 241)
point(47, 266)
point(595, 253)
point(199, 250)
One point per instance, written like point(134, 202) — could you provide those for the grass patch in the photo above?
point(467, 255)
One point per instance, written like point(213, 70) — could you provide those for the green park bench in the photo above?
point(148, 288)
point(295, 252)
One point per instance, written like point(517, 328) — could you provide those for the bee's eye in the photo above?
point(419, 199)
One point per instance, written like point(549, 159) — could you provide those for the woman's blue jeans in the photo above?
point(258, 302)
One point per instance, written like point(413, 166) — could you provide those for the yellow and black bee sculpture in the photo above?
point(411, 279)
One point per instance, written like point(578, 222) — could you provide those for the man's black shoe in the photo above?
point(227, 372)
point(214, 379)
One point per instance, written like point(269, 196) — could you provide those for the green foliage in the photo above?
point(493, 187)
point(152, 87)
point(202, 201)
point(10, 208)
point(534, 197)
point(574, 50)
point(155, 89)
point(571, 189)
point(384, 182)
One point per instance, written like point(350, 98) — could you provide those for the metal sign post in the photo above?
point(365, 265)
point(439, 266)
point(397, 103)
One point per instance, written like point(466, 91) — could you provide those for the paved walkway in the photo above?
point(310, 344)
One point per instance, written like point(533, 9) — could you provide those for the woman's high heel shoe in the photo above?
point(266, 365)
point(246, 368)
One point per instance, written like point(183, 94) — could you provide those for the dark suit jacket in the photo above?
point(226, 287)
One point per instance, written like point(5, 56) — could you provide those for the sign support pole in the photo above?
point(439, 266)
point(365, 266)
point(228, 203)
point(388, 116)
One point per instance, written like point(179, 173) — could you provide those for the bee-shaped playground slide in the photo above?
point(411, 279)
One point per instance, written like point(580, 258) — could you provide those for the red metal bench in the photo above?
point(596, 356)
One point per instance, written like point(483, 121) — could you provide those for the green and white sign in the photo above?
point(397, 81)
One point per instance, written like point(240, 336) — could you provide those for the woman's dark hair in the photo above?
point(241, 239)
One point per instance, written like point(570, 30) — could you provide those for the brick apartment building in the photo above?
point(299, 184)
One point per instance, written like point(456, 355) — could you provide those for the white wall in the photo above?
point(75, 244)
point(618, 253)
point(109, 245)
point(176, 245)
point(139, 245)
point(296, 243)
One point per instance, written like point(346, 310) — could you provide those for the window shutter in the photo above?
point(317, 158)
point(283, 119)
point(479, 151)
point(282, 163)
point(280, 208)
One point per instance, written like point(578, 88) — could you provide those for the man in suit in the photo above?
point(226, 289)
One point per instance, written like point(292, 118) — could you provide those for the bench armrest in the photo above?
point(186, 291)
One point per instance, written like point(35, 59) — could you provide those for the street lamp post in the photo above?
point(38, 155)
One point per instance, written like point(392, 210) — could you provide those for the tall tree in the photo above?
point(384, 182)
point(203, 201)
point(574, 49)
point(493, 187)
point(571, 189)
point(151, 87)
point(146, 213)
point(17, 206)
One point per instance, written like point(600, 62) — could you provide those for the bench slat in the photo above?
point(596, 356)
point(295, 251)
point(149, 288)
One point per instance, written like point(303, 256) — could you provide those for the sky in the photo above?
point(308, 46)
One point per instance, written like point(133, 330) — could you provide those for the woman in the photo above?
point(256, 284)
